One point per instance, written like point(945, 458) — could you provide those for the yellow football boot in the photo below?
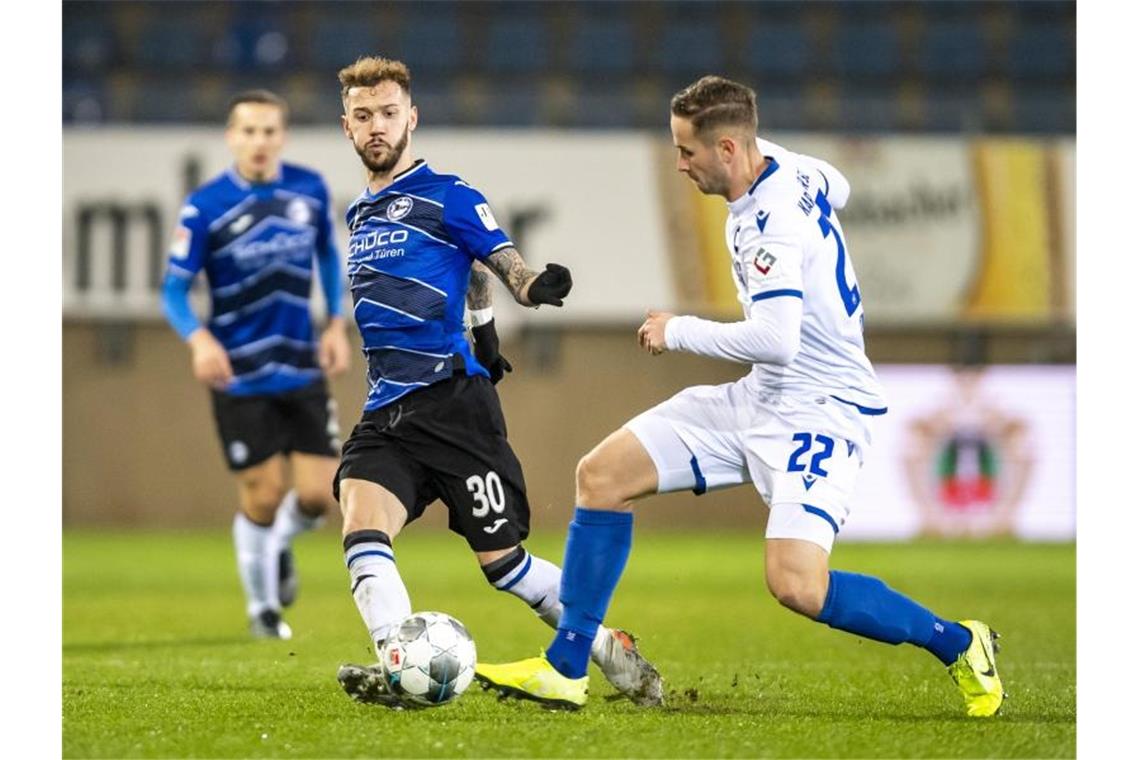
point(534, 679)
point(975, 671)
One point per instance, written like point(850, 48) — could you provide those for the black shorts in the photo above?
point(448, 442)
point(254, 428)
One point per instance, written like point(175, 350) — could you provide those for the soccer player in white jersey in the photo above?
point(797, 426)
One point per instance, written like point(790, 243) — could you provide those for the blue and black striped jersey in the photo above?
point(411, 247)
point(256, 244)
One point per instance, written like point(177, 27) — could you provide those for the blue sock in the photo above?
point(597, 547)
point(867, 607)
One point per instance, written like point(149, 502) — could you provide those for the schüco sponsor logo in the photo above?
point(361, 243)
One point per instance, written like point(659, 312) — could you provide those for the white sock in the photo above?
point(291, 521)
point(375, 582)
point(250, 540)
point(536, 582)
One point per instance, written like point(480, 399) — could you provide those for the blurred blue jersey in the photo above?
point(409, 261)
point(256, 244)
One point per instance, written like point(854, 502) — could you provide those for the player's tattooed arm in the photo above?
point(479, 288)
point(507, 263)
point(530, 288)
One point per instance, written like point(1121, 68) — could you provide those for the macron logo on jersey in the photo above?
point(762, 219)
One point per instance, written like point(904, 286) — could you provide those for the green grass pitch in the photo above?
point(157, 663)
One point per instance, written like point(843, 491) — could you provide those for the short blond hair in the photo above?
point(372, 70)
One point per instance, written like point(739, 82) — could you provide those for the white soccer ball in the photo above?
point(428, 659)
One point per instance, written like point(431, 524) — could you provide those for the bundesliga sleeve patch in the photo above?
point(486, 217)
point(180, 245)
point(764, 262)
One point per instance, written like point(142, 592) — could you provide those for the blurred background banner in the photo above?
point(971, 452)
point(954, 121)
point(940, 228)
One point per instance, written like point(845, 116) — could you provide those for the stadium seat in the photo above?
point(952, 50)
point(254, 43)
point(960, 110)
point(89, 42)
point(868, 110)
point(173, 42)
point(1039, 51)
point(780, 107)
point(611, 108)
point(867, 50)
point(337, 42)
point(601, 45)
point(778, 50)
point(517, 45)
point(436, 105)
point(84, 102)
point(162, 100)
point(429, 42)
point(690, 48)
point(1044, 110)
point(514, 105)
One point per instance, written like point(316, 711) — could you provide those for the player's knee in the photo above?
point(260, 500)
point(799, 592)
point(365, 509)
point(598, 483)
point(313, 502)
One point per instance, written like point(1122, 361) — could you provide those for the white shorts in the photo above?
point(802, 453)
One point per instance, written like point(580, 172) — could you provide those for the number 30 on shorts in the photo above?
point(827, 447)
point(488, 493)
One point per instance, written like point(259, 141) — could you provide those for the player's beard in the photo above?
point(712, 184)
point(384, 165)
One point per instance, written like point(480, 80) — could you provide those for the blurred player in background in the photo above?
point(432, 426)
point(796, 426)
point(255, 230)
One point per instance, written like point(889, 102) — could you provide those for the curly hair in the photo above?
point(371, 71)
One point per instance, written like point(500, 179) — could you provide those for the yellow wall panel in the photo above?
point(1014, 274)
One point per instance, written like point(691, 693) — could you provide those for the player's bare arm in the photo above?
point(479, 288)
point(334, 352)
point(210, 361)
point(530, 288)
point(483, 323)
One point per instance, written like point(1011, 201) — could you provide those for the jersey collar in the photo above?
point(740, 203)
point(418, 164)
point(245, 184)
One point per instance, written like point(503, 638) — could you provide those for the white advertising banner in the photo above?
point(971, 453)
point(584, 200)
point(594, 202)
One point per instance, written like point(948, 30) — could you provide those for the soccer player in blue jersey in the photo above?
point(432, 426)
point(798, 426)
point(255, 231)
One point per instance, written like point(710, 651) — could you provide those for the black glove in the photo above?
point(550, 286)
point(487, 351)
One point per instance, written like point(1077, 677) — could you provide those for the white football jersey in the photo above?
point(786, 242)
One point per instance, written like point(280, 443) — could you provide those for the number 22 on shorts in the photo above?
point(815, 467)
